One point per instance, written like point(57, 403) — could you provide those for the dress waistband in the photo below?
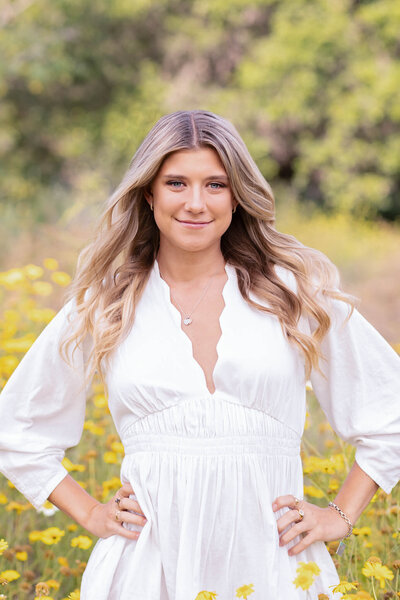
point(244, 444)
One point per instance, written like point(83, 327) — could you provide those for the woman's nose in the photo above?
point(195, 199)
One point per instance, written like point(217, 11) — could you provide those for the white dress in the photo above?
point(205, 467)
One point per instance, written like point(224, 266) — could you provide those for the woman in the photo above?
point(205, 323)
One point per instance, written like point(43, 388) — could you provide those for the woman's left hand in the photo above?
point(318, 523)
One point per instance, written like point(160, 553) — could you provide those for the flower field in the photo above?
point(43, 553)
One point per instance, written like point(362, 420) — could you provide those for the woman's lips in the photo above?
point(194, 224)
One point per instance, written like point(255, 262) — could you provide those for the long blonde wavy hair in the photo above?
point(113, 269)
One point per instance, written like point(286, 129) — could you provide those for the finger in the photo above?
point(125, 516)
point(128, 533)
point(305, 542)
point(290, 516)
point(293, 532)
point(125, 490)
point(282, 501)
point(130, 504)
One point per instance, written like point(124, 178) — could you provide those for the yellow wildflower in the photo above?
point(313, 492)
point(63, 561)
point(70, 466)
point(117, 447)
point(3, 545)
point(343, 586)
point(21, 344)
point(3, 498)
point(21, 555)
point(18, 507)
point(100, 401)
point(61, 278)
point(306, 573)
point(52, 583)
point(49, 536)
point(377, 570)
point(82, 541)
point(9, 575)
point(75, 595)
point(42, 288)
point(33, 271)
point(41, 597)
point(8, 363)
point(50, 263)
point(362, 530)
point(245, 590)
point(72, 527)
point(110, 458)
point(206, 595)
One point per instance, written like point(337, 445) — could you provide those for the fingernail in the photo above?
point(274, 506)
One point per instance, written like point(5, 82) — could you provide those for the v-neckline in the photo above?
point(229, 269)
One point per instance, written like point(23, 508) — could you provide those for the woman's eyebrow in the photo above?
point(220, 176)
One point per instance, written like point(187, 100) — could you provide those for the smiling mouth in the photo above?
point(194, 222)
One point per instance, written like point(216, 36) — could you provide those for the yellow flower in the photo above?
point(75, 595)
point(117, 447)
point(362, 530)
point(61, 278)
point(3, 498)
point(21, 555)
point(377, 570)
point(9, 575)
point(42, 288)
point(8, 363)
point(50, 263)
point(33, 271)
point(110, 458)
point(70, 466)
point(12, 279)
point(49, 536)
point(63, 561)
point(43, 598)
point(18, 507)
point(245, 590)
point(313, 492)
point(72, 527)
point(206, 596)
point(82, 541)
point(306, 573)
point(21, 344)
point(304, 580)
point(343, 586)
point(41, 315)
point(52, 583)
point(93, 428)
point(100, 401)
point(3, 545)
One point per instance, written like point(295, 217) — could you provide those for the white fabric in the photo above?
point(205, 467)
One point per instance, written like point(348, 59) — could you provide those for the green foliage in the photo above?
point(313, 87)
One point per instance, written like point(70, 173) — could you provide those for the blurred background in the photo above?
point(311, 85)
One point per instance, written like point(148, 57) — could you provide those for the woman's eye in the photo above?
point(216, 185)
point(175, 184)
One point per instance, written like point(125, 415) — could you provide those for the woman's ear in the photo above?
point(148, 194)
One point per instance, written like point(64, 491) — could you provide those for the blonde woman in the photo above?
point(205, 323)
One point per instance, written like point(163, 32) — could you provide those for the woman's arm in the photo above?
point(99, 519)
point(356, 492)
point(325, 524)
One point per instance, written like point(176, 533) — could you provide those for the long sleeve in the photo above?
point(42, 411)
point(360, 393)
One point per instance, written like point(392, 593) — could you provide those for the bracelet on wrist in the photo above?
point(342, 545)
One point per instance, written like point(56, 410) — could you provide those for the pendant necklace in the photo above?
point(187, 318)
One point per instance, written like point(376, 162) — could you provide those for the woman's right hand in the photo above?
point(102, 521)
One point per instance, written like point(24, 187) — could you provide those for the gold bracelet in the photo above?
point(341, 547)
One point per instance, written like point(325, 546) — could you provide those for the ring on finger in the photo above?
point(301, 514)
point(118, 500)
point(117, 515)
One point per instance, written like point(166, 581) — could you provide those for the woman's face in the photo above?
point(192, 200)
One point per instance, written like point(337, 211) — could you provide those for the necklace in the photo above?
point(187, 318)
